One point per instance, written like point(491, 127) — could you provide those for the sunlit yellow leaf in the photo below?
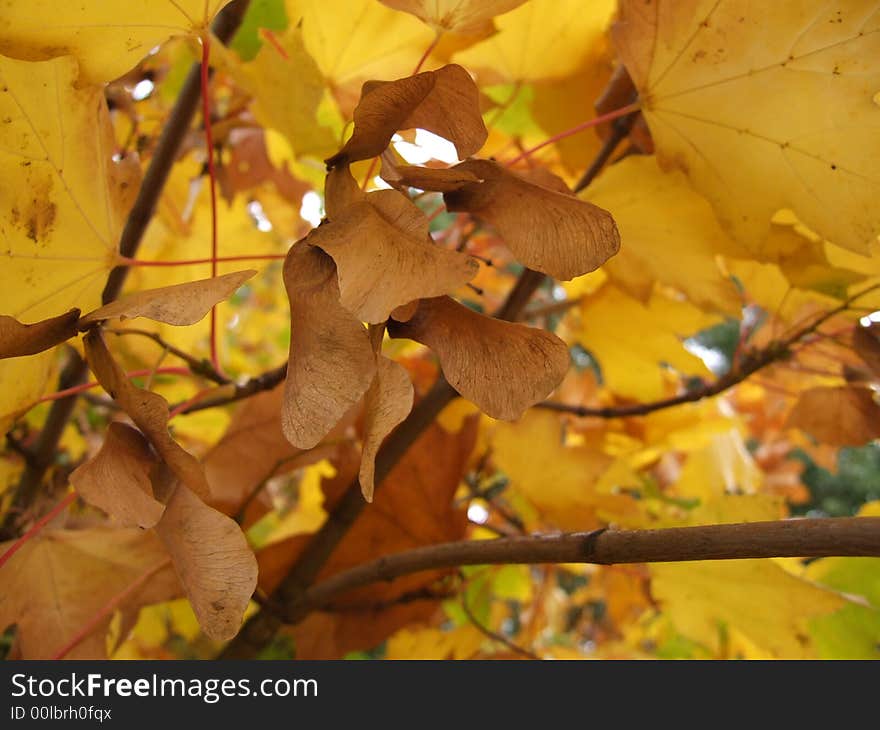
point(287, 90)
point(540, 40)
point(631, 342)
point(106, 38)
point(61, 203)
point(758, 598)
point(807, 136)
point(668, 234)
point(356, 40)
point(559, 480)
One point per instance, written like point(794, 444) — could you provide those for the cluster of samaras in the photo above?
point(372, 260)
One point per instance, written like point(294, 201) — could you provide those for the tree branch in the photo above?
point(257, 384)
point(142, 211)
point(800, 538)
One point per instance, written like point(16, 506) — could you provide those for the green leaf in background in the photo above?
point(269, 14)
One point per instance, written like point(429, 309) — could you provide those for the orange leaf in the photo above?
point(59, 581)
point(253, 449)
point(414, 507)
point(838, 416)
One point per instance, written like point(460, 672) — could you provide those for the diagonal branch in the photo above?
point(751, 363)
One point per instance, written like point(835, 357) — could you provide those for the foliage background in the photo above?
point(691, 293)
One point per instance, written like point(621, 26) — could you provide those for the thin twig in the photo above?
point(619, 130)
point(257, 384)
point(37, 526)
point(494, 635)
point(546, 310)
point(747, 365)
point(108, 608)
point(200, 367)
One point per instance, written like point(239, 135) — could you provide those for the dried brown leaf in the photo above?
point(388, 401)
point(340, 191)
point(502, 367)
point(867, 345)
point(331, 361)
point(445, 101)
point(405, 312)
point(148, 410)
point(546, 230)
point(61, 579)
point(117, 479)
point(180, 304)
point(438, 179)
point(384, 258)
point(845, 416)
point(18, 340)
point(213, 561)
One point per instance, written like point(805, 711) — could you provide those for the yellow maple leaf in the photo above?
point(543, 39)
point(723, 466)
point(61, 203)
point(430, 643)
point(757, 598)
point(630, 342)
point(106, 38)
point(356, 40)
point(459, 16)
point(287, 91)
point(668, 234)
point(764, 107)
point(560, 481)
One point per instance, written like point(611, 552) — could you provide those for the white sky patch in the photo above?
point(379, 183)
point(713, 359)
point(312, 208)
point(478, 513)
point(142, 89)
point(870, 319)
point(427, 146)
point(439, 148)
point(259, 216)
